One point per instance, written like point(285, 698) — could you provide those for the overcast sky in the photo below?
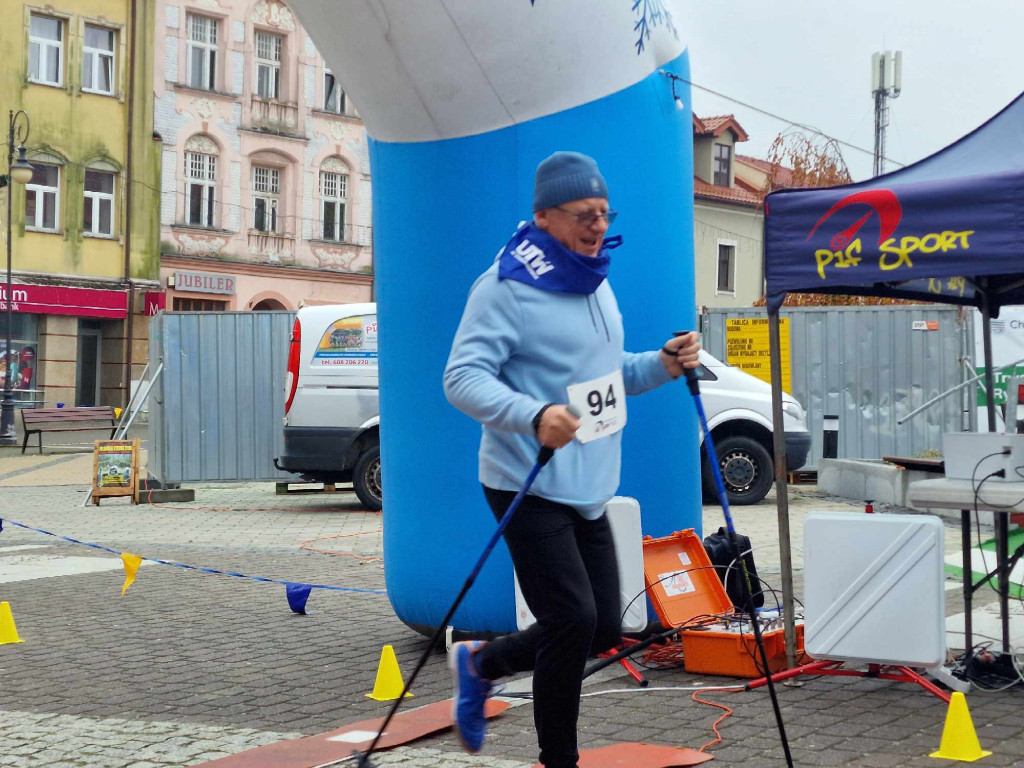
point(810, 62)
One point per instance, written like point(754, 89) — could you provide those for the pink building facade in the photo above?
point(265, 174)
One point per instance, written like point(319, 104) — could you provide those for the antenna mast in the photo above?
point(886, 82)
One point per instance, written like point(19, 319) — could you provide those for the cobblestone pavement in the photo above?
point(189, 666)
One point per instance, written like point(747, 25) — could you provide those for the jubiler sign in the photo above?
point(203, 282)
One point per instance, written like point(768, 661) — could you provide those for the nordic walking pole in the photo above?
point(694, 386)
point(542, 458)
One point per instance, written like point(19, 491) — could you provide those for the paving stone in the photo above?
point(189, 666)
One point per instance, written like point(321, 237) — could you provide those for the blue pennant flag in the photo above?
point(298, 594)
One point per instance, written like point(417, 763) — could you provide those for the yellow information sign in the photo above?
point(746, 347)
point(115, 469)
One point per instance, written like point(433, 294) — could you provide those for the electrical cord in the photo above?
point(528, 695)
point(666, 658)
point(714, 726)
point(774, 592)
point(992, 504)
point(977, 497)
point(997, 473)
point(977, 521)
point(671, 656)
point(982, 684)
point(667, 576)
point(977, 526)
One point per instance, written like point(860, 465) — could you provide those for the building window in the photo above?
point(21, 360)
point(42, 198)
point(98, 218)
point(334, 96)
point(722, 153)
point(98, 60)
point(202, 52)
point(268, 65)
point(200, 183)
point(199, 305)
point(333, 194)
point(266, 187)
point(46, 50)
point(726, 267)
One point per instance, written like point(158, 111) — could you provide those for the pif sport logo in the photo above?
point(845, 247)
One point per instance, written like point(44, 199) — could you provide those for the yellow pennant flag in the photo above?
point(131, 567)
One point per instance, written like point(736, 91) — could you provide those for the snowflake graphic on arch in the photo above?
point(651, 13)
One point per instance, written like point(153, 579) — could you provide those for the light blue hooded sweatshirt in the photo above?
point(517, 349)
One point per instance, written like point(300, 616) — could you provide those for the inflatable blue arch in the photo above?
point(461, 100)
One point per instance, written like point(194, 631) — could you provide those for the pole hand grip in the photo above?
point(692, 382)
point(546, 453)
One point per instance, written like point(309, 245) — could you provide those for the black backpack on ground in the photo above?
point(720, 551)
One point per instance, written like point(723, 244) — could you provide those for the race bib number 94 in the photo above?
point(601, 404)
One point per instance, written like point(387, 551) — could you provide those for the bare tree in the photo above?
point(798, 159)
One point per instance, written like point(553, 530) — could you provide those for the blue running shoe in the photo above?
point(471, 692)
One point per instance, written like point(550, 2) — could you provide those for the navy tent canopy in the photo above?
point(949, 228)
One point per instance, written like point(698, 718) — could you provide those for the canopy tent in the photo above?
point(949, 229)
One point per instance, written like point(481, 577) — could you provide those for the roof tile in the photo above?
point(703, 190)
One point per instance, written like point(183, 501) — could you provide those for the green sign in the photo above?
point(1000, 381)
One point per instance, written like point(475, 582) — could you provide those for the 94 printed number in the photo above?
point(597, 403)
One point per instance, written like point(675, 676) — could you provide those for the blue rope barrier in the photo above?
point(296, 591)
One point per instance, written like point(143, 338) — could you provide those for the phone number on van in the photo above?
point(348, 361)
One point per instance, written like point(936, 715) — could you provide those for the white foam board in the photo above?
point(874, 588)
point(624, 515)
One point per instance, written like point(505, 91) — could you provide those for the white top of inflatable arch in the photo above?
point(423, 70)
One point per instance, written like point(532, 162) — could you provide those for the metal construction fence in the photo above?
point(871, 366)
point(215, 411)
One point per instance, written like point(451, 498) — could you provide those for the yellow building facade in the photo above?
point(85, 240)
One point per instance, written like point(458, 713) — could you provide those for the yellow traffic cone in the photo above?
point(389, 683)
point(8, 632)
point(959, 741)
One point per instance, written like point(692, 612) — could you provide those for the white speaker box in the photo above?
point(624, 517)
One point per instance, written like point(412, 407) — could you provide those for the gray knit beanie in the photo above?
point(566, 176)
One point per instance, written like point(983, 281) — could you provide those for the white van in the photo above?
point(331, 422)
point(331, 414)
point(738, 407)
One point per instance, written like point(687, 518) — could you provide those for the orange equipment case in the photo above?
point(734, 654)
point(681, 581)
point(683, 585)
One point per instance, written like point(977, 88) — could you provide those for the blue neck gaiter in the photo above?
point(534, 257)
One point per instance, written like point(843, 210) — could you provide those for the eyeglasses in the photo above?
point(587, 218)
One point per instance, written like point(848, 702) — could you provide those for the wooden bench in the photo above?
point(83, 419)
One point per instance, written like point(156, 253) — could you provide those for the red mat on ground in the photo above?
point(632, 755)
point(335, 745)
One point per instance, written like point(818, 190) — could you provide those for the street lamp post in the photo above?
point(19, 172)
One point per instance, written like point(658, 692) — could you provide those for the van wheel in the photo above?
point(366, 479)
point(747, 470)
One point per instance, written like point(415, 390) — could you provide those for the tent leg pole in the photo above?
point(986, 332)
point(1001, 522)
point(782, 489)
